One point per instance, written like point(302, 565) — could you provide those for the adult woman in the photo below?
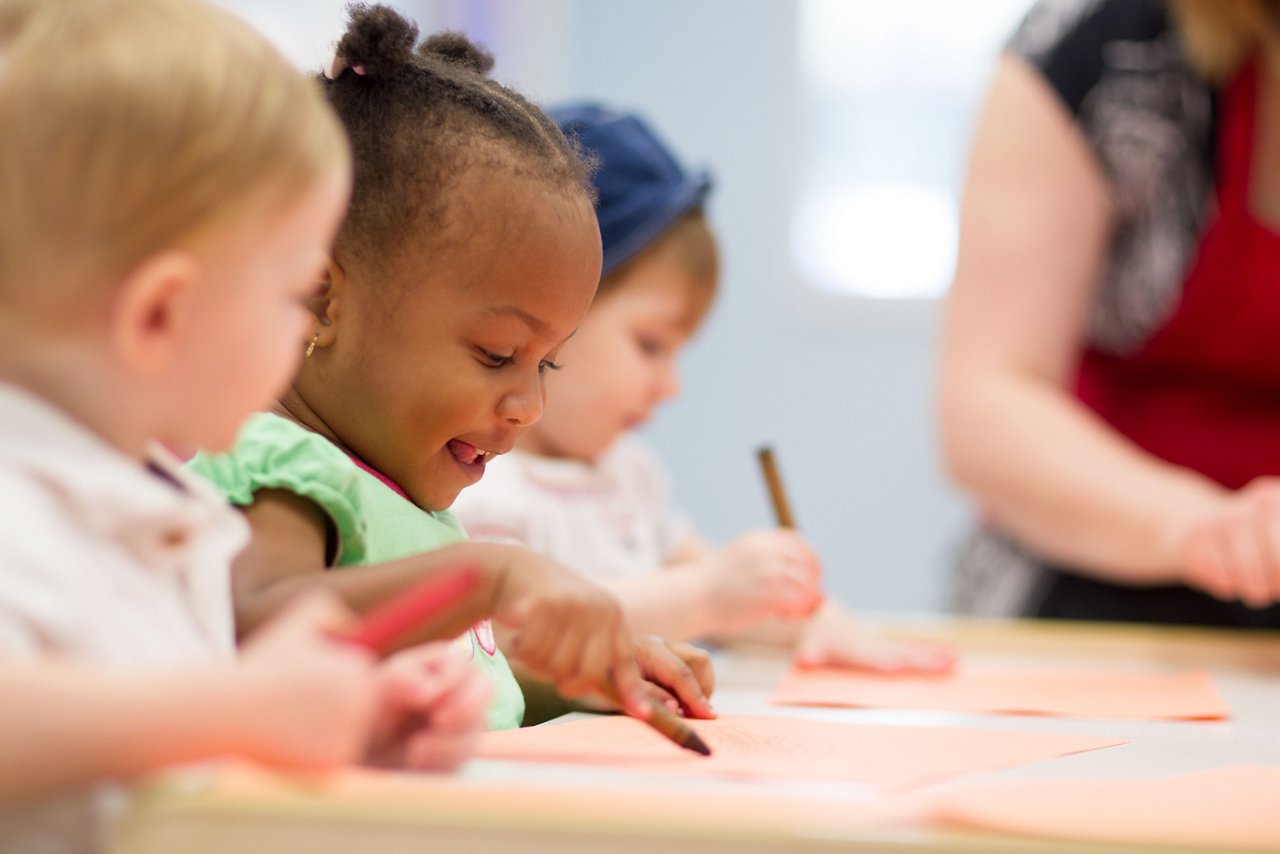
point(1111, 362)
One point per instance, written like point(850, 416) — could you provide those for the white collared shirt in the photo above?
point(102, 559)
point(607, 520)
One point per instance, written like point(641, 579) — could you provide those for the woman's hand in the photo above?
point(1234, 552)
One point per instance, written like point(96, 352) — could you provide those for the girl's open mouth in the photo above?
point(471, 458)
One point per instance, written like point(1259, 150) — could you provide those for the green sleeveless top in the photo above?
point(374, 523)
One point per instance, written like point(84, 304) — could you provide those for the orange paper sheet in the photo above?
point(777, 748)
point(618, 806)
point(1223, 808)
point(1069, 693)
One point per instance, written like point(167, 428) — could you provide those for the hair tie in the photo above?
point(338, 64)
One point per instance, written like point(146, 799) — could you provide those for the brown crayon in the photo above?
point(777, 495)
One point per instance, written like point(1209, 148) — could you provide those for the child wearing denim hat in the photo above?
point(583, 489)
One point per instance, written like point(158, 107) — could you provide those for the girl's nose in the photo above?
point(522, 404)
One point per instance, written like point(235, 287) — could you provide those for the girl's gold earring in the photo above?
point(311, 347)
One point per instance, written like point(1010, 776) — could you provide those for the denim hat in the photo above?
point(641, 188)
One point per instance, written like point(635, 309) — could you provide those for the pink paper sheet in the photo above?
point(620, 806)
point(1071, 693)
point(778, 748)
point(1224, 808)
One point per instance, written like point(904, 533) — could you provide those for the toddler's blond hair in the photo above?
point(129, 126)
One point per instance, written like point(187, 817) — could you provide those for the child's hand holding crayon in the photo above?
point(433, 708)
point(568, 630)
point(678, 675)
point(762, 574)
point(310, 699)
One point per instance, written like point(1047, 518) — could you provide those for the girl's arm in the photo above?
point(1035, 224)
point(564, 628)
point(286, 555)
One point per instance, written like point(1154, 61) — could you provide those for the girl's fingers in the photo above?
point(627, 682)
point(595, 665)
point(659, 695)
point(699, 661)
point(564, 663)
point(670, 671)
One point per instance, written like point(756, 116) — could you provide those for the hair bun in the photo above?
point(378, 40)
point(457, 49)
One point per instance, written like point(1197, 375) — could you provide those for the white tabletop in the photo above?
point(187, 815)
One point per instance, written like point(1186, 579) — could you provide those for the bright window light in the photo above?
point(891, 89)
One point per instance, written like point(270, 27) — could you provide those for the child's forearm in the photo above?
point(365, 587)
point(63, 726)
point(774, 632)
point(671, 603)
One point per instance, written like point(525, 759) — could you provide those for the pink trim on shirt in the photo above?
point(483, 630)
point(386, 481)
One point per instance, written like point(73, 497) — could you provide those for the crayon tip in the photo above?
point(696, 744)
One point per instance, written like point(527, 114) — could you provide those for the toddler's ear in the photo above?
point(326, 304)
point(154, 311)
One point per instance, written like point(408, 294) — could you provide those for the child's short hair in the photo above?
point(648, 203)
point(418, 119)
point(690, 244)
point(130, 125)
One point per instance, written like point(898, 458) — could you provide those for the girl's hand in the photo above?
point(1234, 554)
point(831, 639)
point(434, 704)
point(568, 631)
point(762, 574)
point(678, 675)
point(310, 700)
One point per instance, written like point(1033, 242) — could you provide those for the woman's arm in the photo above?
point(1035, 225)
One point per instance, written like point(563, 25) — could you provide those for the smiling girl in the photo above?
point(469, 255)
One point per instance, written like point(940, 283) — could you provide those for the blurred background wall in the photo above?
point(837, 133)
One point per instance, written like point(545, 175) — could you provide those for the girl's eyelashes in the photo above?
point(494, 360)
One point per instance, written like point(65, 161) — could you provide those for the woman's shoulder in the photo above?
point(1074, 43)
point(1056, 27)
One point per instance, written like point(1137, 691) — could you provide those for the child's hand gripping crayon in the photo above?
point(684, 675)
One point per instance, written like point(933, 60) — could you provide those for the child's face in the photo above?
point(622, 362)
point(450, 359)
point(251, 314)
